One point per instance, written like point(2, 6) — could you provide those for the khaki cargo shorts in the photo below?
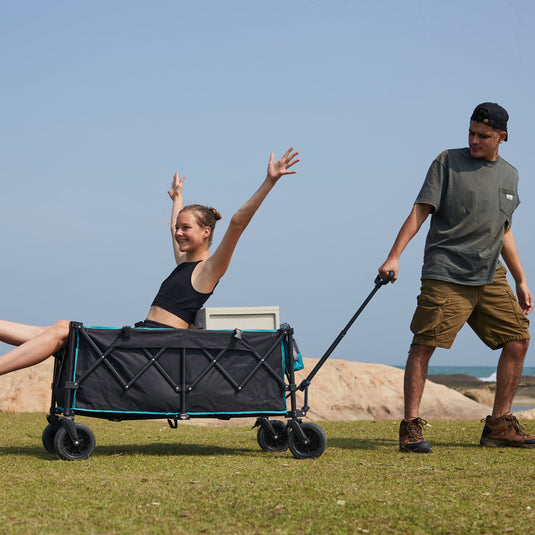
point(492, 312)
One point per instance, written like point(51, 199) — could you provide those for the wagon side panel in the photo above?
point(152, 373)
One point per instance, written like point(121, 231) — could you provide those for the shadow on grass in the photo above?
point(157, 449)
point(377, 443)
point(164, 449)
point(361, 443)
point(30, 451)
point(203, 450)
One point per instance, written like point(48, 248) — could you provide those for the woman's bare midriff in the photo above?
point(163, 316)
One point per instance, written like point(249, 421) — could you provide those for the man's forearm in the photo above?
point(511, 257)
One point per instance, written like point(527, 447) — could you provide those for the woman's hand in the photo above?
point(280, 168)
point(176, 187)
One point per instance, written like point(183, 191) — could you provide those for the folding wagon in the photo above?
point(176, 374)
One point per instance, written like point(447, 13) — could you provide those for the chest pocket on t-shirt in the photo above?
point(507, 203)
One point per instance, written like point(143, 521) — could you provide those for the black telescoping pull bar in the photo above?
point(378, 283)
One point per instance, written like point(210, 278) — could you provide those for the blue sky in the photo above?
point(104, 100)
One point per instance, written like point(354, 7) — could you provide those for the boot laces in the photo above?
point(414, 429)
point(515, 424)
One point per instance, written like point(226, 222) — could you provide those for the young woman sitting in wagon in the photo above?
point(183, 292)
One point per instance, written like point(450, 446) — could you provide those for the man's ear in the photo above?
point(503, 136)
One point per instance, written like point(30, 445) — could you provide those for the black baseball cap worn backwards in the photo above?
point(492, 114)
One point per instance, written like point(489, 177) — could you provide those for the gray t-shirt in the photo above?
point(473, 201)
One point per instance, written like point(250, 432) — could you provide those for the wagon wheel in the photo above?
point(313, 447)
point(277, 442)
point(48, 438)
point(68, 450)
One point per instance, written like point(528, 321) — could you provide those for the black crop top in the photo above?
point(177, 295)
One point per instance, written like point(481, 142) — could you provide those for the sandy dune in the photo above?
point(342, 390)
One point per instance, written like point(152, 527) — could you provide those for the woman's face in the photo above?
point(188, 233)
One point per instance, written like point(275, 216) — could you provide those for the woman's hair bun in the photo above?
point(216, 213)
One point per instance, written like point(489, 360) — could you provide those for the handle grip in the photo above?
point(386, 280)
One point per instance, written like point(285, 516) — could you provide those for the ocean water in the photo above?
point(484, 373)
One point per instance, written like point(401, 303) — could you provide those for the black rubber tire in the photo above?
point(270, 443)
point(67, 450)
point(317, 442)
point(48, 438)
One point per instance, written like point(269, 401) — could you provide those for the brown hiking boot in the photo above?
point(505, 431)
point(411, 437)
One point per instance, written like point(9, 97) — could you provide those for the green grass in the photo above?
point(147, 478)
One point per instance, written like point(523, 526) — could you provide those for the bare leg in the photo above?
point(508, 375)
point(16, 334)
point(37, 349)
point(415, 376)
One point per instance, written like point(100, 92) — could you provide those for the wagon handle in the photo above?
point(378, 283)
point(386, 280)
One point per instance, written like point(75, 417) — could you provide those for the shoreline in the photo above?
point(483, 391)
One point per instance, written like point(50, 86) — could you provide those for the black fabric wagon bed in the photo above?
point(134, 373)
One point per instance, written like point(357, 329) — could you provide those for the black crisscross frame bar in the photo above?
point(183, 376)
point(152, 361)
point(262, 362)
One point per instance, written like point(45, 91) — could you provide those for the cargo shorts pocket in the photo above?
point(521, 319)
point(429, 313)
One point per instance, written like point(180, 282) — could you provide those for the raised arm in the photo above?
point(512, 260)
point(408, 230)
point(176, 196)
point(216, 266)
